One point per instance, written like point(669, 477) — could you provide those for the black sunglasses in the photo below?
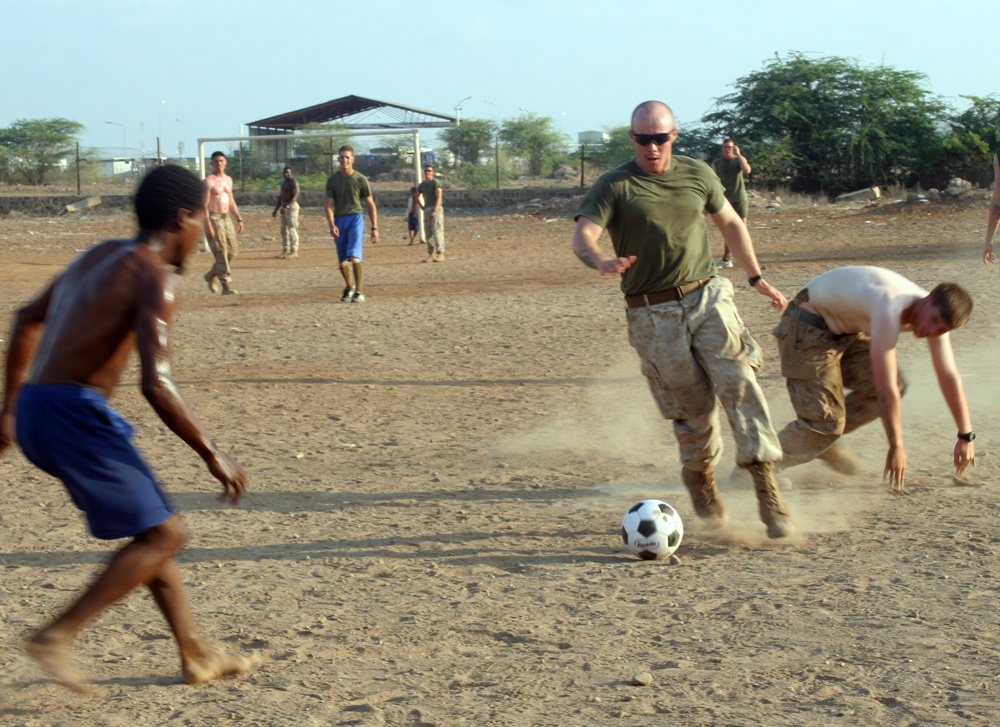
point(647, 139)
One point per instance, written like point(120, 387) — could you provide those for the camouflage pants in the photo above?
point(818, 366)
point(225, 246)
point(434, 230)
point(692, 351)
point(290, 228)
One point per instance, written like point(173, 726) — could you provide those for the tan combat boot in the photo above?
point(705, 496)
point(228, 289)
point(773, 511)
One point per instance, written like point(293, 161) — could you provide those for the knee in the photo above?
point(170, 535)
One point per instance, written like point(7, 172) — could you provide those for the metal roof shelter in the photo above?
point(350, 112)
point(370, 114)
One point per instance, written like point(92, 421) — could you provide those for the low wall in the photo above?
point(467, 199)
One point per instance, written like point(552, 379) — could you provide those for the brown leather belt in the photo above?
point(664, 296)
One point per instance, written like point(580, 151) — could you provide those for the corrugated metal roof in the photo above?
point(355, 112)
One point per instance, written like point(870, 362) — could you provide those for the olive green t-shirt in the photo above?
point(347, 193)
point(428, 190)
point(659, 218)
point(731, 174)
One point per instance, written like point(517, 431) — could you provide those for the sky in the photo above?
point(184, 69)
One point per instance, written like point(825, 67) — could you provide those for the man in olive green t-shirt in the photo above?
point(346, 192)
point(682, 318)
point(731, 167)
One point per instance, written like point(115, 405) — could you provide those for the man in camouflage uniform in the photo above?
point(682, 318)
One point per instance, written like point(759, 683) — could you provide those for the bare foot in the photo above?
point(217, 666)
point(55, 659)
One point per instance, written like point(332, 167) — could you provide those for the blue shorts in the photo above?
point(73, 434)
point(412, 223)
point(352, 235)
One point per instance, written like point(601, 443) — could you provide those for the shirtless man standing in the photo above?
point(221, 235)
point(118, 296)
point(840, 332)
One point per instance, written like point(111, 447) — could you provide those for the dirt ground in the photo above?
point(438, 479)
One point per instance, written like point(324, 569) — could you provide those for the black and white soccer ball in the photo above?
point(652, 529)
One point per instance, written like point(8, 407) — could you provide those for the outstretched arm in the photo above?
point(153, 342)
point(373, 216)
point(886, 374)
point(24, 337)
point(585, 246)
point(993, 221)
point(950, 382)
point(737, 238)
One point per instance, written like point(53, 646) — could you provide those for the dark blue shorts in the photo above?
point(73, 434)
point(412, 223)
point(352, 235)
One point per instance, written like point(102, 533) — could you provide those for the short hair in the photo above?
point(953, 302)
point(346, 147)
point(428, 166)
point(218, 154)
point(730, 139)
point(163, 193)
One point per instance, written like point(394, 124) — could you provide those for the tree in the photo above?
point(29, 147)
point(534, 138)
point(470, 140)
point(968, 150)
point(616, 150)
point(828, 124)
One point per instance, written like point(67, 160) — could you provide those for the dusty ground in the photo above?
point(438, 479)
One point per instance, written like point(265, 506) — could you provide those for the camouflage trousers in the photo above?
point(434, 231)
point(693, 351)
point(818, 366)
point(290, 228)
point(225, 246)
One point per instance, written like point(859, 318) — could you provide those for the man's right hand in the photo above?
point(229, 472)
point(614, 265)
point(895, 470)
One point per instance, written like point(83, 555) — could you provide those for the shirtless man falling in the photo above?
point(220, 231)
point(118, 296)
point(840, 332)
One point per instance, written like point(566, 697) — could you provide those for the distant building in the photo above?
point(592, 137)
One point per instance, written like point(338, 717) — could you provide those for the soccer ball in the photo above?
point(652, 529)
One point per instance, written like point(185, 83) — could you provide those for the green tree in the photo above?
point(534, 138)
point(30, 147)
point(828, 124)
point(470, 140)
point(616, 150)
point(967, 151)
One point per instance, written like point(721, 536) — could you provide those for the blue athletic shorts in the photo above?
point(352, 235)
point(73, 434)
point(412, 223)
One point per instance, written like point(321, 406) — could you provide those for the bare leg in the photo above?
point(200, 662)
point(135, 564)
